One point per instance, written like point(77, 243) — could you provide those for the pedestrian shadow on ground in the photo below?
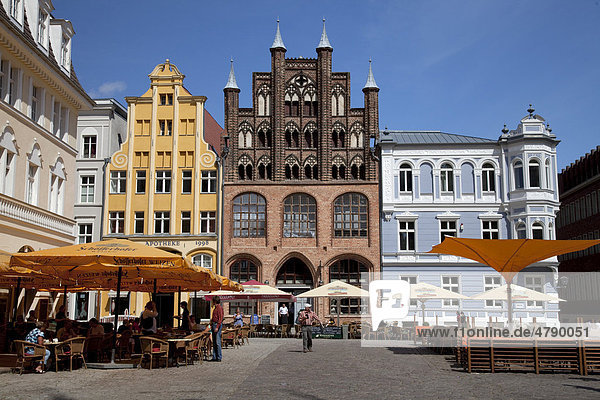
point(409, 350)
point(584, 387)
point(586, 379)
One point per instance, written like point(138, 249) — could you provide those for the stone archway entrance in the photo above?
point(294, 277)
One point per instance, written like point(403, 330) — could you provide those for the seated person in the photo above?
point(37, 336)
point(238, 318)
point(125, 327)
point(66, 332)
point(135, 325)
point(31, 317)
point(95, 328)
point(331, 322)
point(20, 327)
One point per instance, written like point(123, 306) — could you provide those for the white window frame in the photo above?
point(7, 171)
point(84, 189)
point(488, 176)
point(163, 181)
point(411, 279)
point(118, 218)
point(406, 174)
point(86, 234)
point(514, 174)
point(205, 219)
point(446, 221)
point(490, 229)
point(446, 178)
point(35, 103)
point(32, 185)
point(203, 260)
point(208, 181)
point(137, 220)
point(537, 226)
point(517, 225)
point(490, 286)
point(86, 146)
point(118, 182)
point(138, 178)
point(187, 218)
point(453, 303)
point(42, 33)
point(533, 163)
point(406, 229)
point(162, 222)
point(526, 277)
point(187, 179)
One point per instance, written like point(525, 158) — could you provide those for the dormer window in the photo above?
point(16, 10)
point(64, 52)
point(42, 28)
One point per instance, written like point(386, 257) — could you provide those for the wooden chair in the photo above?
point(229, 338)
point(123, 345)
point(192, 349)
point(70, 349)
point(205, 345)
point(286, 330)
point(252, 331)
point(154, 348)
point(244, 333)
point(39, 352)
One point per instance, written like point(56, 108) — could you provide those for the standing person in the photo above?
point(184, 319)
point(216, 324)
point(283, 314)
point(306, 319)
point(148, 319)
point(60, 318)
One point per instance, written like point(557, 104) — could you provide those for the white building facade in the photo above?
point(100, 132)
point(40, 99)
point(437, 184)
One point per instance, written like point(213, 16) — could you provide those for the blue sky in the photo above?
point(464, 67)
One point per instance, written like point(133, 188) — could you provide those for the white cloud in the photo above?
point(108, 89)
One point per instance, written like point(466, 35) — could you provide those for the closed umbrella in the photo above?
point(336, 290)
point(424, 291)
point(509, 256)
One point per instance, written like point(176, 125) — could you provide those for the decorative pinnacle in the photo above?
point(370, 79)
point(324, 43)
point(231, 83)
point(531, 110)
point(505, 129)
point(278, 42)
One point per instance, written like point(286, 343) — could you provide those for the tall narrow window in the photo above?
point(162, 221)
point(208, 222)
point(490, 229)
point(451, 283)
point(488, 176)
point(64, 51)
point(209, 182)
point(56, 194)
point(31, 191)
point(89, 147)
point(521, 231)
point(86, 233)
point(139, 222)
point(407, 235)
point(405, 177)
point(186, 181)
point(140, 182)
point(35, 107)
point(447, 178)
point(12, 86)
point(535, 282)
point(41, 37)
point(447, 228)
point(116, 221)
point(186, 222)
point(87, 189)
point(7, 172)
point(118, 182)
point(492, 282)
point(534, 174)
point(548, 174)
point(537, 231)
point(518, 174)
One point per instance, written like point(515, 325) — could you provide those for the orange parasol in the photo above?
point(509, 256)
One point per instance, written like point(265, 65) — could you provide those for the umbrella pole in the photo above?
point(118, 299)
point(509, 298)
point(65, 297)
point(338, 310)
point(154, 292)
point(423, 310)
point(17, 290)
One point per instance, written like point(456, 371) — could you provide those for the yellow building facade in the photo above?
point(162, 185)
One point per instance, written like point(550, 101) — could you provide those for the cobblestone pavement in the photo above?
point(337, 369)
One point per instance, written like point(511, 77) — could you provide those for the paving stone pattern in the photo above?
point(277, 368)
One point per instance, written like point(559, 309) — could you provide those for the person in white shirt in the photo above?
point(283, 314)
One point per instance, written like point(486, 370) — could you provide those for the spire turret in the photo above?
point(324, 43)
point(370, 79)
point(231, 83)
point(278, 42)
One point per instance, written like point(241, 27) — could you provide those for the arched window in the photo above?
point(294, 272)
point(245, 136)
point(488, 178)
point(357, 168)
point(467, 177)
point(534, 173)
point(264, 100)
point(337, 101)
point(338, 169)
point(521, 231)
point(548, 174)
point(537, 231)
point(34, 163)
point(292, 103)
point(264, 136)
point(350, 215)
point(426, 176)
point(245, 168)
point(57, 183)
point(292, 136)
point(243, 271)
point(8, 152)
point(356, 136)
point(299, 216)
point(264, 168)
point(292, 168)
point(311, 169)
point(249, 215)
point(310, 102)
point(447, 178)
point(518, 174)
point(338, 136)
point(352, 272)
point(203, 260)
point(311, 138)
point(405, 177)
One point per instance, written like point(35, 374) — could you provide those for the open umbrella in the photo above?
point(336, 290)
point(518, 293)
point(509, 256)
point(424, 291)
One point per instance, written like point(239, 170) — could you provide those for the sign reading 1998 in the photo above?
point(201, 242)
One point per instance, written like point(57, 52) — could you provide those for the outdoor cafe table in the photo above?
point(174, 345)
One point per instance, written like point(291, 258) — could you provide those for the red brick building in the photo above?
point(301, 191)
point(579, 218)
